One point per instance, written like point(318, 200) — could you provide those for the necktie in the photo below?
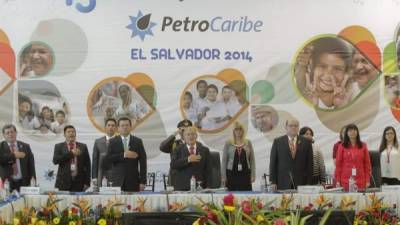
point(125, 142)
point(71, 146)
point(191, 150)
point(14, 165)
point(292, 146)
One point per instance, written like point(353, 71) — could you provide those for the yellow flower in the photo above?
point(260, 218)
point(320, 200)
point(16, 221)
point(71, 223)
point(41, 222)
point(196, 222)
point(229, 208)
point(102, 222)
point(56, 220)
point(365, 223)
point(33, 220)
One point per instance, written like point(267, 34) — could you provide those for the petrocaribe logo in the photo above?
point(81, 7)
point(141, 25)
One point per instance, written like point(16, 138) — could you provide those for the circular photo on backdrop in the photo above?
point(392, 90)
point(330, 73)
point(264, 118)
point(36, 60)
point(42, 111)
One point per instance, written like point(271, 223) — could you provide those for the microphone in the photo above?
point(292, 180)
point(373, 180)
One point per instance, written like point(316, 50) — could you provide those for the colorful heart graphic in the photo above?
point(7, 63)
point(337, 75)
point(115, 97)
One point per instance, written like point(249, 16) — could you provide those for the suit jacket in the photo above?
point(100, 166)
point(169, 145)
point(186, 170)
point(132, 172)
point(284, 170)
point(7, 159)
point(62, 157)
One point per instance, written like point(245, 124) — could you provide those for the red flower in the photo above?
point(45, 212)
point(279, 222)
point(386, 216)
point(65, 212)
point(310, 205)
point(260, 205)
point(74, 210)
point(246, 206)
point(211, 216)
point(330, 205)
point(228, 200)
point(129, 207)
point(307, 208)
point(376, 214)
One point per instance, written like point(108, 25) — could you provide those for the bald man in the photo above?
point(291, 159)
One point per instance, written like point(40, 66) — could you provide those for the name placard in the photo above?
point(110, 190)
point(309, 189)
point(390, 188)
point(30, 190)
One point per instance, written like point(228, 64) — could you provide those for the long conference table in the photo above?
point(160, 202)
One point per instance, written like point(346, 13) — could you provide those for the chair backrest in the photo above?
point(376, 178)
point(151, 181)
point(214, 179)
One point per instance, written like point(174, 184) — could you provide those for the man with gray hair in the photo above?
point(17, 163)
point(291, 159)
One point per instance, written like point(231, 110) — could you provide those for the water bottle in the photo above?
point(33, 182)
point(7, 187)
point(104, 182)
point(193, 184)
point(352, 184)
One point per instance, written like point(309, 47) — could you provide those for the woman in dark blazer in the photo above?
point(238, 164)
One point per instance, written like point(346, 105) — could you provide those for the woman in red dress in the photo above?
point(352, 159)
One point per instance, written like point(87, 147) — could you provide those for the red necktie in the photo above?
point(71, 146)
point(14, 165)
point(191, 150)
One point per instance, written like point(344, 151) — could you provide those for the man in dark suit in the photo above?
point(100, 166)
point(291, 159)
point(128, 158)
point(17, 163)
point(190, 159)
point(73, 162)
point(170, 144)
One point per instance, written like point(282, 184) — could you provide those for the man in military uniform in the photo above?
point(172, 142)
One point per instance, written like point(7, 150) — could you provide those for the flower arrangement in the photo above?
point(377, 213)
point(253, 211)
point(80, 213)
